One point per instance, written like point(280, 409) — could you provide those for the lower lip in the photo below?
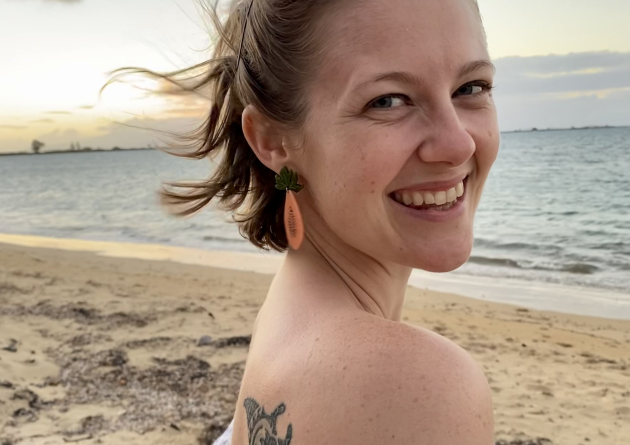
point(438, 216)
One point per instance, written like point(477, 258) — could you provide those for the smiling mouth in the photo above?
point(425, 200)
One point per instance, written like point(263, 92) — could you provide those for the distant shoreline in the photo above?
point(56, 152)
point(538, 130)
point(531, 130)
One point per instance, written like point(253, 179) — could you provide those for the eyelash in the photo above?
point(486, 87)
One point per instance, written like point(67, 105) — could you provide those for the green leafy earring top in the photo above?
point(288, 180)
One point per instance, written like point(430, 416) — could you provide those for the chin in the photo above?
point(444, 258)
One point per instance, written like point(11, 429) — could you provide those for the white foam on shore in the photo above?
point(530, 294)
point(541, 296)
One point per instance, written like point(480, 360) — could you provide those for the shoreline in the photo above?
point(57, 152)
point(538, 296)
point(542, 130)
point(115, 149)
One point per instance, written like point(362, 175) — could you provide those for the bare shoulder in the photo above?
point(427, 389)
point(377, 382)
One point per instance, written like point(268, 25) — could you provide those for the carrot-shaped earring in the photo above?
point(293, 222)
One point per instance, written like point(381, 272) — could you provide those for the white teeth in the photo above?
point(451, 195)
point(444, 199)
point(418, 199)
point(440, 198)
point(460, 189)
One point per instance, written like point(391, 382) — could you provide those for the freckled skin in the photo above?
point(356, 158)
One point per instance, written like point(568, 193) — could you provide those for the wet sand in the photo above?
point(99, 349)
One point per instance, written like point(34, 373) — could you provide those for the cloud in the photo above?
point(134, 133)
point(556, 74)
point(58, 112)
point(577, 89)
point(63, 1)
point(42, 121)
point(58, 135)
point(140, 132)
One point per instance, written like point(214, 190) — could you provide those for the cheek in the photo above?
point(352, 170)
point(487, 140)
point(366, 162)
point(491, 144)
point(487, 144)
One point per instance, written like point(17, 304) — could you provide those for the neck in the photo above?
point(367, 283)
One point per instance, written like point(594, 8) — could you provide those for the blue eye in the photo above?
point(390, 101)
point(472, 89)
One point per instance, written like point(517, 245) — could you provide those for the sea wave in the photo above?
point(516, 246)
point(580, 268)
point(494, 261)
point(573, 268)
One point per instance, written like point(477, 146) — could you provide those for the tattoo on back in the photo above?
point(262, 426)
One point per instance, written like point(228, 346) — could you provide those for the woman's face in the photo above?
point(402, 119)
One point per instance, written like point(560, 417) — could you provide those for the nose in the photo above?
point(446, 138)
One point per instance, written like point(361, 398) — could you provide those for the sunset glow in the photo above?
point(51, 70)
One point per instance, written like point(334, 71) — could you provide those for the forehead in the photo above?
point(424, 37)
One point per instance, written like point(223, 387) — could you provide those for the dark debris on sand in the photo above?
point(80, 313)
point(233, 341)
point(28, 413)
point(167, 392)
point(538, 441)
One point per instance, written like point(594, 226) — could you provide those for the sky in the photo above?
point(560, 63)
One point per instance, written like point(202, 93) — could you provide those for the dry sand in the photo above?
point(104, 350)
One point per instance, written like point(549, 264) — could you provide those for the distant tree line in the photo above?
point(36, 146)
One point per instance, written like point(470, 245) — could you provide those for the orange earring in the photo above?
point(293, 223)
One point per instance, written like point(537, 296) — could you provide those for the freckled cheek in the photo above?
point(371, 174)
point(349, 193)
point(485, 133)
point(490, 146)
point(358, 163)
point(384, 153)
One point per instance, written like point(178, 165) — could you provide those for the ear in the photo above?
point(265, 138)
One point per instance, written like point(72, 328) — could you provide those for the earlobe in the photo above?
point(263, 137)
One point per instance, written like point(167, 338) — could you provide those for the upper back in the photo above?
point(357, 379)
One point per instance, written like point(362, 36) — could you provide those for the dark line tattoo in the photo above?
point(262, 426)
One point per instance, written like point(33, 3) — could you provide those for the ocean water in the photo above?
point(556, 207)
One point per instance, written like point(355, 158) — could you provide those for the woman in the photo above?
point(385, 113)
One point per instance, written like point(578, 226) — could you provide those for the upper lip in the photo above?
point(437, 186)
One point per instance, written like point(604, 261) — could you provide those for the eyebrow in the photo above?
point(408, 78)
point(474, 66)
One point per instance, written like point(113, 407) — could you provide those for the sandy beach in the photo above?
point(101, 349)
